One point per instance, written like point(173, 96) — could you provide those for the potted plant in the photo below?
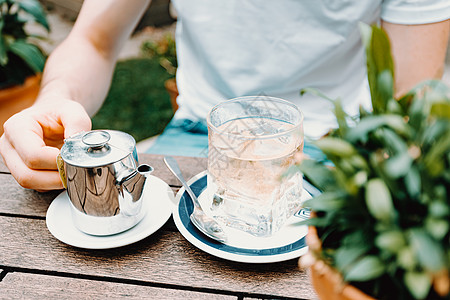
point(381, 225)
point(21, 60)
point(164, 50)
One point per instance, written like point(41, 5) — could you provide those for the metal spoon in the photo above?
point(203, 222)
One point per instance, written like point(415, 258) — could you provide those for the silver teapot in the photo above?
point(104, 182)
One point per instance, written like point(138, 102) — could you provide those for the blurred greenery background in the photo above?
point(137, 102)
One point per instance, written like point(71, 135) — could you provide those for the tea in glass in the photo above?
point(252, 143)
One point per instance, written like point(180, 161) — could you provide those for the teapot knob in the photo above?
point(96, 139)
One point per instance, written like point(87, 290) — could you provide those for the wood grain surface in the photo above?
point(164, 264)
point(36, 286)
point(16, 200)
point(189, 166)
point(163, 258)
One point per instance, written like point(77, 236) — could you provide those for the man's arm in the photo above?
point(76, 79)
point(418, 52)
point(81, 67)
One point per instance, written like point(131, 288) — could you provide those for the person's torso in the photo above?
point(232, 48)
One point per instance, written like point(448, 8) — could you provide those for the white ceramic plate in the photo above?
point(159, 205)
point(286, 244)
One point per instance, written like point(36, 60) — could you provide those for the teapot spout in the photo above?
point(133, 184)
point(145, 170)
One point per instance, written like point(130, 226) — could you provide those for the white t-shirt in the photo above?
point(232, 48)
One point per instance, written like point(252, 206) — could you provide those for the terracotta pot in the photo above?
point(327, 281)
point(171, 87)
point(17, 98)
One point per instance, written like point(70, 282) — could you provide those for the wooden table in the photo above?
point(35, 265)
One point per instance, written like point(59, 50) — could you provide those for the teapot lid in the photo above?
point(97, 148)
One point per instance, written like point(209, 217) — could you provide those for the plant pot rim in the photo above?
point(320, 271)
point(17, 90)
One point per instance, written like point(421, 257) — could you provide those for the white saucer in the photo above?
point(159, 205)
point(286, 244)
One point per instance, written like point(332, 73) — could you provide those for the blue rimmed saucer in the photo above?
point(288, 243)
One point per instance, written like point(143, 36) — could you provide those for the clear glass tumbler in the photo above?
point(253, 141)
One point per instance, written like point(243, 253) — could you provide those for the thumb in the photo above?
point(75, 119)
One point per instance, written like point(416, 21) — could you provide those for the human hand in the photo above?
point(33, 137)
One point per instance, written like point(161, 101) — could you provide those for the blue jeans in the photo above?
point(188, 138)
point(183, 138)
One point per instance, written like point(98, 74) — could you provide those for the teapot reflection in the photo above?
point(104, 184)
point(107, 190)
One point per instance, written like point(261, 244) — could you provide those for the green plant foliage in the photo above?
point(19, 57)
point(384, 215)
point(137, 102)
point(164, 50)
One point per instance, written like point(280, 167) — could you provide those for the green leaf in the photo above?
point(317, 173)
point(434, 132)
point(379, 61)
point(359, 162)
point(398, 165)
point(440, 110)
point(367, 268)
point(413, 182)
point(34, 8)
point(358, 237)
point(345, 256)
point(371, 123)
point(315, 92)
point(329, 201)
point(393, 107)
point(435, 158)
point(425, 96)
point(3, 45)
point(378, 200)
point(317, 222)
point(418, 112)
point(406, 258)
point(430, 253)
point(376, 159)
point(385, 85)
point(435, 91)
point(336, 147)
point(392, 241)
point(438, 228)
point(392, 141)
point(437, 86)
point(341, 117)
point(381, 51)
point(418, 283)
point(400, 162)
point(360, 178)
point(30, 54)
point(439, 209)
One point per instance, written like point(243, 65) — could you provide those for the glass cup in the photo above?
point(252, 142)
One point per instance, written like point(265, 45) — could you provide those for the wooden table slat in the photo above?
point(19, 201)
point(189, 166)
point(36, 286)
point(164, 258)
